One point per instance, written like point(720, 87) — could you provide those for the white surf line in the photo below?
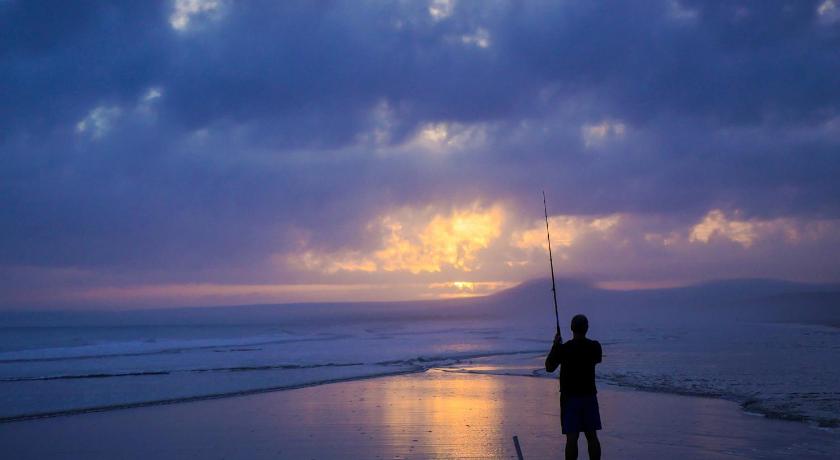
point(232, 394)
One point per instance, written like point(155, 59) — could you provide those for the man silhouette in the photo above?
point(578, 401)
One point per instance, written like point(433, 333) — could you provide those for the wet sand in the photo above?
point(435, 414)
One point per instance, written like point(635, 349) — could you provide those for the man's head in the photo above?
point(580, 325)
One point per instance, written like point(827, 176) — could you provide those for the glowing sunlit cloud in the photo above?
point(148, 101)
point(827, 8)
point(479, 38)
point(665, 239)
point(715, 223)
point(747, 232)
point(101, 119)
point(441, 9)
point(828, 13)
point(516, 263)
point(447, 137)
point(433, 137)
point(414, 241)
point(152, 94)
point(484, 242)
point(452, 240)
point(98, 121)
point(352, 261)
point(382, 117)
point(565, 230)
point(678, 11)
point(435, 133)
point(185, 10)
point(596, 134)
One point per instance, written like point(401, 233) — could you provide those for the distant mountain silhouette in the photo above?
point(748, 299)
point(530, 301)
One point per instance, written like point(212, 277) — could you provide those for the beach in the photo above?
point(433, 414)
point(414, 380)
point(380, 229)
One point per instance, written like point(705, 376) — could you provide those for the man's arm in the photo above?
point(555, 356)
point(599, 354)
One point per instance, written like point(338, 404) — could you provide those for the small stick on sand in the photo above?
point(518, 449)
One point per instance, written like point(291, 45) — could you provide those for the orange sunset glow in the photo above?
point(358, 229)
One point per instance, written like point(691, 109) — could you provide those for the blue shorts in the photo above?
point(579, 413)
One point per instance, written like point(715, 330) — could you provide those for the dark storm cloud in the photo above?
point(60, 58)
point(329, 63)
point(257, 140)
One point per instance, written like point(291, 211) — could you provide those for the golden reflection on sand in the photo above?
point(461, 416)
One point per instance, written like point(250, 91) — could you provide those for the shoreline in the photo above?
point(748, 406)
point(430, 414)
point(175, 401)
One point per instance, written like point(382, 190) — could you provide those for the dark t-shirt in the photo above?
point(577, 359)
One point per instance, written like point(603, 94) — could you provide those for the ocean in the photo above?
point(64, 364)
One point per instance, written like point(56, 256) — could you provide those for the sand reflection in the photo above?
point(446, 415)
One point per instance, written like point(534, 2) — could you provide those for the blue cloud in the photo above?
point(276, 118)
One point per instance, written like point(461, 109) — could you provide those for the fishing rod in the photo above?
point(551, 262)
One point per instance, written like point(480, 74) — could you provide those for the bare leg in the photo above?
point(571, 446)
point(593, 444)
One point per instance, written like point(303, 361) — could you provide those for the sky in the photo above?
point(207, 152)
